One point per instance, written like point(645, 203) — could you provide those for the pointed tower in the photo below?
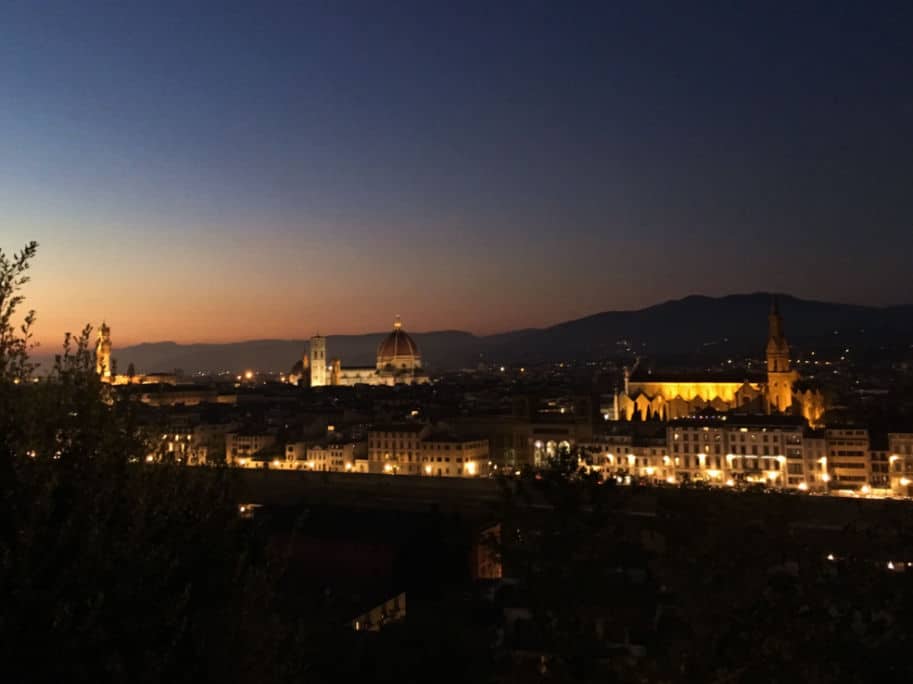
point(780, 377)
point(103, 352)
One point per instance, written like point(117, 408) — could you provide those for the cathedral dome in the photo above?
point(398, 352)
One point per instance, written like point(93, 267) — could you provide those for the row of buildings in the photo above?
point(775, 451)
point(399, 449)
point(748, 430)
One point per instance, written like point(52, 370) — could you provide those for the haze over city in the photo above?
point(220, 171)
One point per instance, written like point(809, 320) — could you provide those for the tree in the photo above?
point(110, 569)
point(15, 340)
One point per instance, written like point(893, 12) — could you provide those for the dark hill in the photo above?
point(735, 324)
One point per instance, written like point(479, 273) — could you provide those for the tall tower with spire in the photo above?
point(103, 352)
point(780, 377)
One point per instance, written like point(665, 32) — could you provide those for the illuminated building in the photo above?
point(103, 352)
point(413, 449)
point(104, 365)
point(398, 362)
point(848, 458)
point(396, 449)
point(317, 351)
point(758, 449)
point(341, 457)
point(645, 396)
point(775, 451)
point(180, 447)
point(450, 456)
point(900, 458)
point(242, 446)
point(814, 451)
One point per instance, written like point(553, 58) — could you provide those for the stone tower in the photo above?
point(103, 352)
point(318, 361)
point(780, 377)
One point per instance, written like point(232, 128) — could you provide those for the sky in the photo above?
point(218, 171)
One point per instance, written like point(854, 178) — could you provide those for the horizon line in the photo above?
point(501, 332)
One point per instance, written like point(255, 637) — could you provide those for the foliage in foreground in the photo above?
point(110, 569)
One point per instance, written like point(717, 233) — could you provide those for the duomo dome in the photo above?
point(398, 352)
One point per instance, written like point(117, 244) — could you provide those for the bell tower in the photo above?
point(780, 377)
point(103, 352)
point(318, 362)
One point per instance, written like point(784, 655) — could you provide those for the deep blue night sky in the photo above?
point(237, 170)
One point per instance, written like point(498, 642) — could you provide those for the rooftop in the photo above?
point(739, 420)
point(399, 427)
point(647, 375)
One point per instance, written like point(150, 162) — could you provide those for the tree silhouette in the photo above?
point(111, 569)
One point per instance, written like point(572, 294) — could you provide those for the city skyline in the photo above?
point(456, 341)
point(223, 173)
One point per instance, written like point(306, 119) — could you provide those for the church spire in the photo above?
point(779, 376)
point(775, 323)
point(777, 347)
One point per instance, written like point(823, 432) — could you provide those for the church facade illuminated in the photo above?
point(646, 397)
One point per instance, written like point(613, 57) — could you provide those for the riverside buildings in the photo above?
point(391, 420)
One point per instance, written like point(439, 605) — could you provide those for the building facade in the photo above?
point(398, 362)
point(337, 457)
point(414, 449)
point(646, 397)
point(776, 451)
point(242, 446)
point(900, 460)
point(317, 353)
point(848, 459)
